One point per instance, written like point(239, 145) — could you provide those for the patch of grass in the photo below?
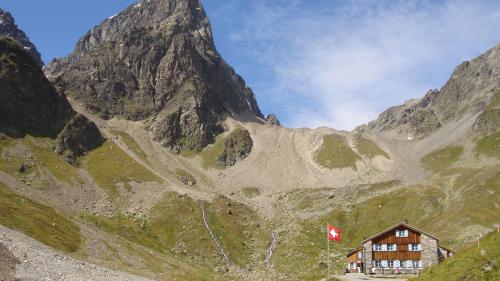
point(109, 165)
point(335, 153)
point(489, 145)
point(129, 228)
point(368, 148)
point(132, 144)
point(239, 229)
point(473, 263)
point(174, 227)
point(38, 221)
point(210, 154)
point(251, 192)
point(442, 158)
point(58, 167)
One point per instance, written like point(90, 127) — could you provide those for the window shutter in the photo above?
point(394, 247)
point(397, 233)
point(397, 263)
point(409, 247)
point(384, 263)
point(420, 264)
point(409, 263)
point(384, 247)
point(419, 246)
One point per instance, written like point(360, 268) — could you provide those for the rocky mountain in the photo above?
point(250, 204)
point(9, 28)
point(469, 90)
point(156, 61)
point(29, 104)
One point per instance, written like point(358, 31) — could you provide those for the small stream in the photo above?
point(272, 246)
point(212, 235)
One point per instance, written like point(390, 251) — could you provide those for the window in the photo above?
point(408, 264)
point(391, 247)
point(420, 264)
point(414, 247)
point(397, 264)
point(377, 263)
point(390, 263)
point(377, 247)
point(402, 233)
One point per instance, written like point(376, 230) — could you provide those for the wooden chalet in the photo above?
point(401, 248)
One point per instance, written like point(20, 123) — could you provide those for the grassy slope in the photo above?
point(463, 198)
point(109, 165)
point(240, 231)
point(210, 154)
point(442, 158)
point(132, 145)
point(489, 145)
point(43, 159)
point(368, 148)
point(473, 263)
point(335, 153)
point(38, 221)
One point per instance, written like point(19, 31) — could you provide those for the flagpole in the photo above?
point(327, 255)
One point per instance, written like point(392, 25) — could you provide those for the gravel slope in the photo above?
point(39, 262)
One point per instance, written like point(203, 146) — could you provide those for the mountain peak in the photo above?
point(9, 28)
point(156, 61)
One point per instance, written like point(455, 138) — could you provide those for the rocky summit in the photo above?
point(9, 28)
point(156, 61)
point(467, 93)
point(29, 104)
point(143, 156)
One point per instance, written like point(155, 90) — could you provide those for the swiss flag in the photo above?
point(333, 233)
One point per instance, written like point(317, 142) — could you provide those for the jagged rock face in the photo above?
point(29, 104)
point(471, 86)
point(237, 147)
point(157, 61)
point(272, 120)
point(79, 136)
point(9, 28)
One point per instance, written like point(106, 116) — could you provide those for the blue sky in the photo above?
point(313, 63)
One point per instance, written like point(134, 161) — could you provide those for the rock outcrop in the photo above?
point(29, 104)
point(272, 120)
point(237, 146)
point(470, 87)
point(156, 61)
point(9, 28)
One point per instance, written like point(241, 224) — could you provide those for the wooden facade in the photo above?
point(396, 250)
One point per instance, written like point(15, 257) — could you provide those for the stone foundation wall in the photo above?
point(429, 250)
point(367, 256)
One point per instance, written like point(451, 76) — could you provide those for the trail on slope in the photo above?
point(272, 246)
point(212, 235)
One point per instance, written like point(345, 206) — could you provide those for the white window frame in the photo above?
point(402, 233)
point(377, 247)
point(391, 247)
point(414, 247)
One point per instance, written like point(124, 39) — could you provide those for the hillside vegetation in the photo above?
point(335, 153)
point(38, 221)
point(470, 264)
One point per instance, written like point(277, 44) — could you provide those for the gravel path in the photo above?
point(38, 262)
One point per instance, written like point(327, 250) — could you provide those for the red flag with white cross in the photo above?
point(333, 233)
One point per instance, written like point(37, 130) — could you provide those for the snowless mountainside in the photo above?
point(143, 155)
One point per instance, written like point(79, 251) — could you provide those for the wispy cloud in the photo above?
point(340, 63)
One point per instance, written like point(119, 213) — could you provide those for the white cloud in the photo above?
point(347, 62)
